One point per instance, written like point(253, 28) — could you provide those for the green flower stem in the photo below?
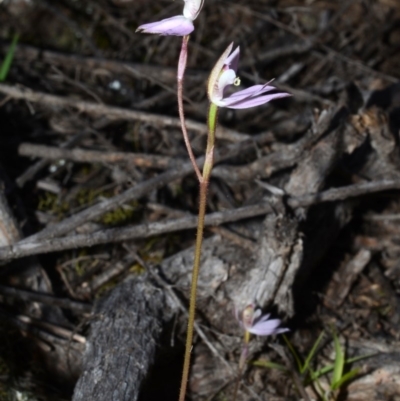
point(205, 179)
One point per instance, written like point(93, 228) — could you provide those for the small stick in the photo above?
point(95, 156)
point(45, 299)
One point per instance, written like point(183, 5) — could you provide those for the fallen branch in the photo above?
point(33, 246)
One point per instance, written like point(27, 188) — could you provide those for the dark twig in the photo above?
point(47, 299)
point(342, 193)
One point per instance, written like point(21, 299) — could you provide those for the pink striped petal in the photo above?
point(254, 90)
point(235, 103)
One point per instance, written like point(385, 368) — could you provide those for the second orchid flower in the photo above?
point(252, 321)
point(224, 74)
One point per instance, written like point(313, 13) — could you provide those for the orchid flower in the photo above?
point(253, 322)
point(224, 74)
point(180, 25)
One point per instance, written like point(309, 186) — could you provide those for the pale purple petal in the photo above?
point(263, 318)
point(265, 328)
point(178, 26)
point(232, 61)
point(252, 101)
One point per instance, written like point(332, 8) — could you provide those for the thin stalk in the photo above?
point(242, 362)
point(204, 181)
point(180, 75)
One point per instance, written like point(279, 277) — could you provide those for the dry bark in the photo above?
point(124, 335)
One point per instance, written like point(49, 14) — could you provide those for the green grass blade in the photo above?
point(348, 376)
point(6, 65)
point(318, 386)
point(270, 365)
point(311, 354)
point(323, 371)
point(293, 351)
point(326, 369)
point(339, 361)
point(360, 357)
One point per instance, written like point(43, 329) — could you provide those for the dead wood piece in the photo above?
point(279, 256)
point(281, 246)
point(122, 342)
point(344, 278)
point(113, 112)
point(310, 174)
point(93, 156)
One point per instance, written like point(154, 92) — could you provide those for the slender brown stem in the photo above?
point(193, 290)
point(180, 75)
point(204, 181)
